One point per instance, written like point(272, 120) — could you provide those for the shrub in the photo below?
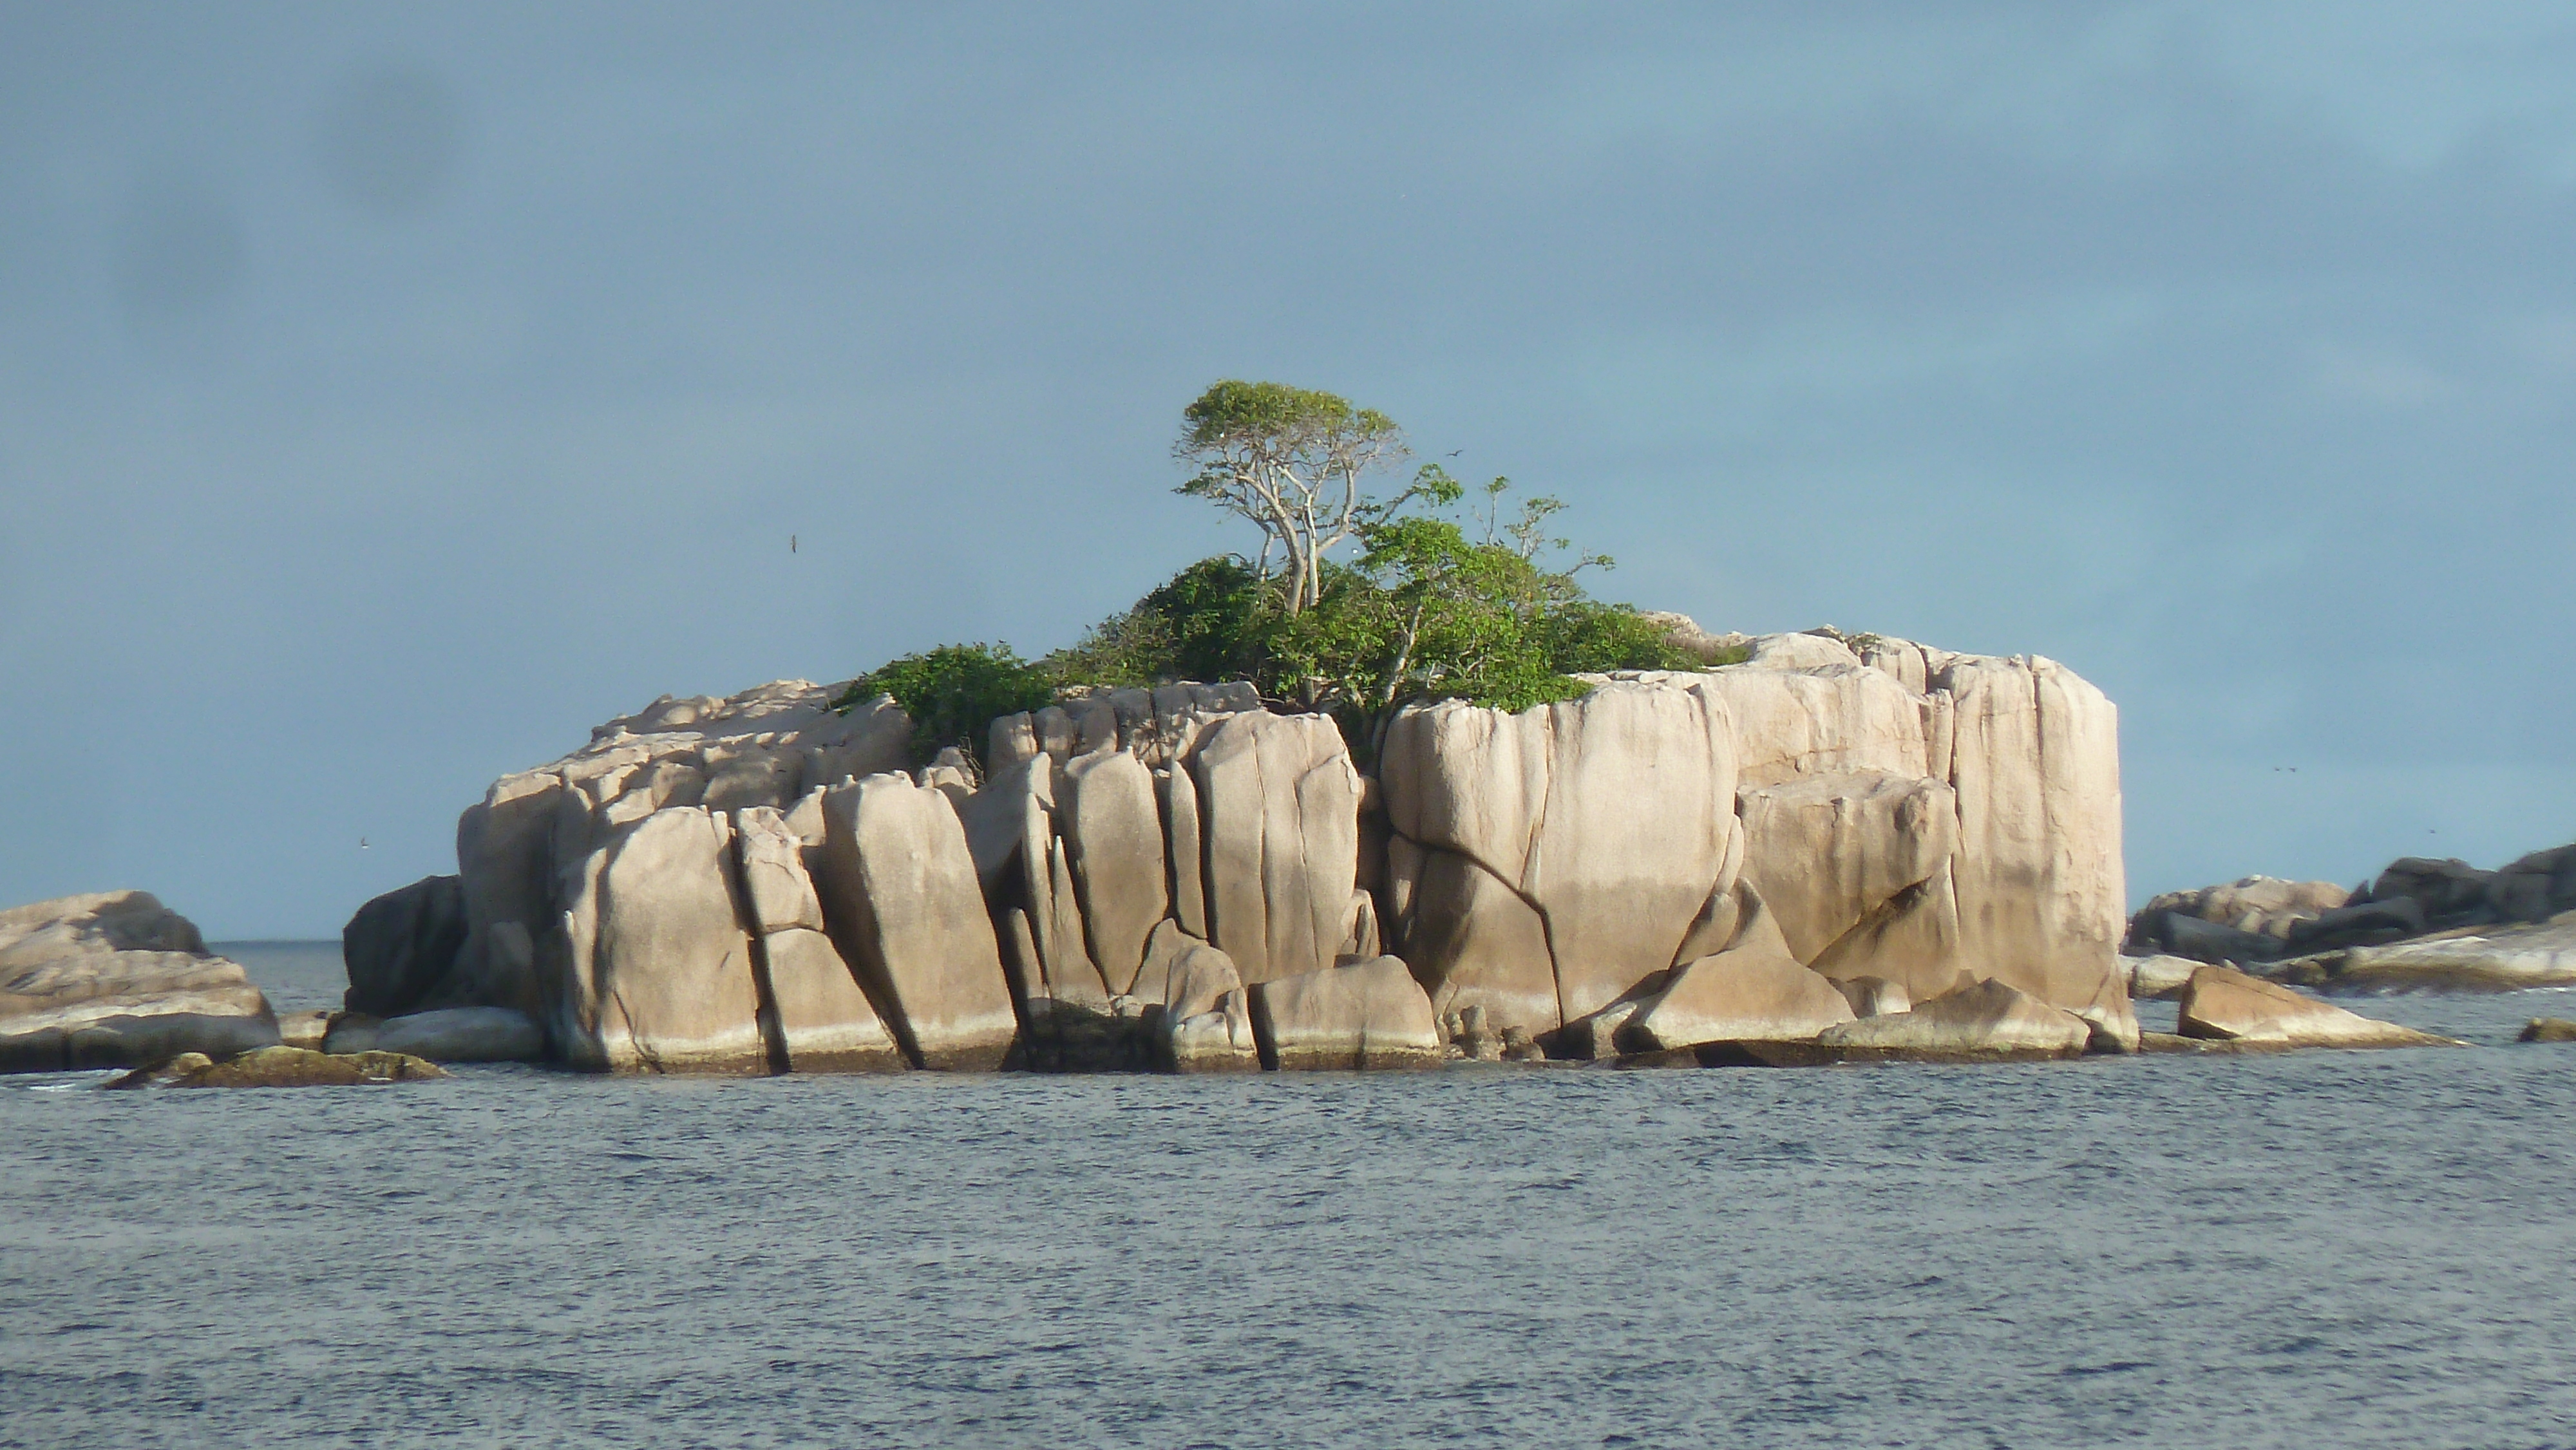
point(953, 692)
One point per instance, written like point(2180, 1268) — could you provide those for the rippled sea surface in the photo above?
point(2310, 1250)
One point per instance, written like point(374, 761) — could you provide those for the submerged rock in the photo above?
point(282, 1067)
point(116, 979)
point(2548, 1029)
point(2224, 1004)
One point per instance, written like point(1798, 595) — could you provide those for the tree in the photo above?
point(1289, 460)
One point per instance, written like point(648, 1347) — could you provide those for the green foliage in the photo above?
point(1232, 411)
point(953, 692)
point(1424, 612)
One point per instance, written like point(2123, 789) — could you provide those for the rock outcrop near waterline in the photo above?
point(754, 884)
point(116, 979)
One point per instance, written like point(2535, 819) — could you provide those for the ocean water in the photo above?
point(2316, 1249)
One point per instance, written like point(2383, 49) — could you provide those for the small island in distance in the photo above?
point(1439, 804)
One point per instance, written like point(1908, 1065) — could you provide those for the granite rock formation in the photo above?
point(2223, 1004)
point(116, 979)
point(1181, 878)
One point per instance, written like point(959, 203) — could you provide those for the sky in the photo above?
point(388, 394)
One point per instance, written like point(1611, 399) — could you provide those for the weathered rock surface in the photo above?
point(659, 969)
point(900, 894)
point(1366, 1015)
point(1909, 816)
point(1990, 1019)
point(448, 1034)
point(305, 1029)
point(401, 950)
point(296, 1067)
point(2491, 959)
point(814, 1014)
point(2256, 906)
point(116, 979)
point(2226, 1005)
point(1755, 990)
point(712, 885)
point(2548, 1029)
point(2158, 976)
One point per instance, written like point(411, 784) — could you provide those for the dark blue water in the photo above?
point(2319, 1249)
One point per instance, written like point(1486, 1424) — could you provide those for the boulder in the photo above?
point(1113, 831)
point(2207, 941)
point(2223, 1004)
point(2487, 959)
point(524, 854)
point(1827, 850)
point(305, 1029)
point(1755, 990)
point(401, 950)
point(2158, 976)
point(116, 979)
point(2548, 1029)
point(1206, 1021)
point(899, 895)
point(448, 1034)
point(2035, 758)
point(2450, 892)
point(1545, 862)
point(296, 1067)
point(1366, 1015)
point(1279, 804)
point(659, 968)
point(2536, 887)
point(1989, 1019)
point(2368, 923)
point(815, 1015)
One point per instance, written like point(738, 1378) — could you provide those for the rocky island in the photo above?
point(1441, 805)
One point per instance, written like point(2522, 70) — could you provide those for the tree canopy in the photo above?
point(1444, 599)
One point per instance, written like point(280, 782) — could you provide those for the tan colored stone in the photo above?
point(444, 1034)
point(1641, 785)
point(1366, 1015)
point(825, 1022)
point(1874, 996)
point(1910, 939)
point(1475, 940)
point(1988, 1019)
point(659, 961)
point(1207, 1021)
point(1792, 723)
point(1180, 801)
point(1279, 808)
point(2224, 1004)
point(2036, 763)
point(115, 979)
point(1826, 850)
point(295, 1067)
point(1754, 990)
point(1112, 825)
point(900, 897)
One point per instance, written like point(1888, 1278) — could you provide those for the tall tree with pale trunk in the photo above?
point(1291, 461)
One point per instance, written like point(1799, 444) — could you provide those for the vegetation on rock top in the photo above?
point(1485, 608)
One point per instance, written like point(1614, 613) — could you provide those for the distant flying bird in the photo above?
point(362, 843)
point(1454, 452)
point(791, 543)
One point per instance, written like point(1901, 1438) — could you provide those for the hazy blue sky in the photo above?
point(387, 394)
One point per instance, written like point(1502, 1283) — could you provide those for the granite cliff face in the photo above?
point(1180, 879)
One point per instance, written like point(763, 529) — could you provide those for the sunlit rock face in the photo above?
point(116, 979)
point(757, 884)
point(1902, 814)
